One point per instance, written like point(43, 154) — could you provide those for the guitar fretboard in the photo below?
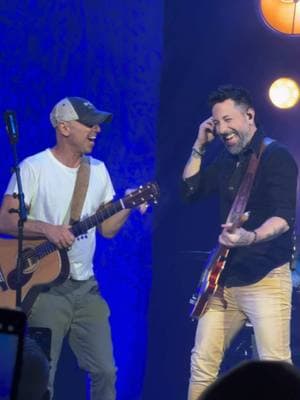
point(79, 228)
point(139, 196)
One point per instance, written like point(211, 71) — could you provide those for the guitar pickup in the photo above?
point(3, 284)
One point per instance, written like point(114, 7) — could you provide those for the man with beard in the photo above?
point(255, 284)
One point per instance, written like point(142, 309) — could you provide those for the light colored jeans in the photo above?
point(266, 304)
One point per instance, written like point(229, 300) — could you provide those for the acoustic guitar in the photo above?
point(43, 264)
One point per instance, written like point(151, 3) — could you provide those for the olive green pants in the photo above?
point(77, 310)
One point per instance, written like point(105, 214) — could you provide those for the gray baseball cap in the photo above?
point(78, 109)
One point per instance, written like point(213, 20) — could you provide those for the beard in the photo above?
point(241, 141)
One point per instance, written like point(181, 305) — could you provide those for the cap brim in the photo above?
point(96, 118)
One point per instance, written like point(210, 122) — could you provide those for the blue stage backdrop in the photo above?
point(110, 53)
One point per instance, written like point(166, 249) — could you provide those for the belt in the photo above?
point(79, 280)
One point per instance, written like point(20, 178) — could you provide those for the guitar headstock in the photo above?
point(147, 193)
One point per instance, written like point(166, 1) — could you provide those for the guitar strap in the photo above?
point(240, 202)
point(80, 190)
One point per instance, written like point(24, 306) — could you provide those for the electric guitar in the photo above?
point(210, 277)
point(43, 263)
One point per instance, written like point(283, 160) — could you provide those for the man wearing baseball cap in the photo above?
point(73, 308)
point(78, 109)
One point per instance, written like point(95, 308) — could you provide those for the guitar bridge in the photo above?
point(193, 299)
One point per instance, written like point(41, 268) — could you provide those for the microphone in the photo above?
point(11, 125)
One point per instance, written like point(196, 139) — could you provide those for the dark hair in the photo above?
point(239, 95)
point(258, 380)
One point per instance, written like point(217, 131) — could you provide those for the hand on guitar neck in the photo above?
point(233, 235)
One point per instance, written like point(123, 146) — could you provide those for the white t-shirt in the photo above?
point(48, 187)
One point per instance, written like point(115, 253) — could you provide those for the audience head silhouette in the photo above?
point(257, 380)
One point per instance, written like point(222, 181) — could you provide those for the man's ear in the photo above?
point(63, 129)
point(250, 114)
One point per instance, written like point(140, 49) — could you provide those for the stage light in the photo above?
point(282, 15)
point(284, 93)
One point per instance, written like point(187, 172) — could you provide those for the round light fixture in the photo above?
point(282, 15)
point(284, 93)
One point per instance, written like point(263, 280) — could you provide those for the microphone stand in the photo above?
point(22, 212)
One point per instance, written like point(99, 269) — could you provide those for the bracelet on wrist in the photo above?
point(198, 153)
point(254, 238)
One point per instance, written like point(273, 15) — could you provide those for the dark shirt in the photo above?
point(273, 194)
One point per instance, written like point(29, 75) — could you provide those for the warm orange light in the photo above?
point(284, 93)
point(282, 15)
